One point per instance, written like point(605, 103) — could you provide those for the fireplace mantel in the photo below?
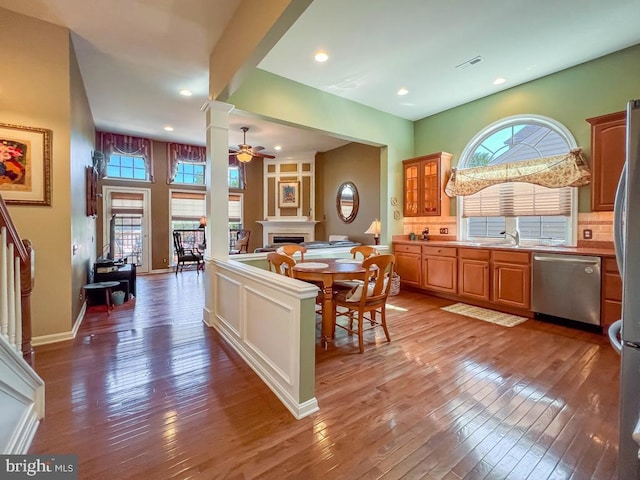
point(299, 227)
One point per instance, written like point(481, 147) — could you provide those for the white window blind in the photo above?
point(518, 199)
point(123, 203)
point(187, 206)
point(235, 208)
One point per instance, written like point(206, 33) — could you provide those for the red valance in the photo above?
point(178, 152)
point(114, 143)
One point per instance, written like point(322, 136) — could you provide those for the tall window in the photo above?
point(234, 177)
point(127, 157)
point(190, 173)
point(127, 166)
point(127, 211)
point(540, 214)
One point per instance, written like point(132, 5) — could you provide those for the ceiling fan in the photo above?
point(246, 152)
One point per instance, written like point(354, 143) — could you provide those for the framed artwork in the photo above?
point(288, 194)
point(25, 165)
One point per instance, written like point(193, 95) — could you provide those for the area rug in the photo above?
point(499, 318)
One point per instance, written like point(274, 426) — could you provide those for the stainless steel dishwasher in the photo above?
point(566, 286)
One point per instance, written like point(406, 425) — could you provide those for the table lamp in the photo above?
point(203, 224)
point(374, 229)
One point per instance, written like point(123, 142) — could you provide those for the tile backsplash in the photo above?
point(600, 224)
point(434, 224)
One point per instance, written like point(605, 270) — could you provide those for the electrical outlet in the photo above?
point(587, 234)
point(444, 231)
point(164, 260)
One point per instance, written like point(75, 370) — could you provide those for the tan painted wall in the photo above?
point(359, 164)
point(160, 224)
point(253, 202)
point(37, 93)
point(83, 228)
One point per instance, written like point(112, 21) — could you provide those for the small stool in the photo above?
point(106, 286)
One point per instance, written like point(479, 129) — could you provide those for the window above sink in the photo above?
point(543, 216)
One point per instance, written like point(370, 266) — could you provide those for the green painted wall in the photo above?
point(601, 86)
point(282, 100)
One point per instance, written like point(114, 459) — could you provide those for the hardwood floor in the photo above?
point(151, 392)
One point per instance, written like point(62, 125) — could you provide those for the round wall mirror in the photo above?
point(347, 202)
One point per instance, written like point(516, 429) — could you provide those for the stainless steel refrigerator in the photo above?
point(625, 334)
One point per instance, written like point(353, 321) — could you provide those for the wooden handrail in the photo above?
point(22, 249)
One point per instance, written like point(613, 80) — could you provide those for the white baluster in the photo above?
point(11, 301)
point(4, 312)
point(18, 307)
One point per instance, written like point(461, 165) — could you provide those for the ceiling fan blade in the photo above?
point(263, 155)
point(257, 148)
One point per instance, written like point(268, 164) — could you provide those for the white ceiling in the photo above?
point(135, 55)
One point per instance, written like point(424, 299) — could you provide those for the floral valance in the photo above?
point(178, 152)
point(114, 143)
point(567, 170)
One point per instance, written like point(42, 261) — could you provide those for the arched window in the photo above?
point(539, 214)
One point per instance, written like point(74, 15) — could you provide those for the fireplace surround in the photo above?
point(303, 229)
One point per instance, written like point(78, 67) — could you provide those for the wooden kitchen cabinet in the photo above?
point(473, 273)
point(608, 147)
point(408, 264)
point(439, 269)
point(512, 279)
point(611, 301)
point(424, 182)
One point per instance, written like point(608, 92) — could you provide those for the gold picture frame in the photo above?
point(288, 194)
point(25, 165)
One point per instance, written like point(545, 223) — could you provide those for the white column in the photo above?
point(217, 114)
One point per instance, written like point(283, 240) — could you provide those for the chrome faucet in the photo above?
point(515, 236)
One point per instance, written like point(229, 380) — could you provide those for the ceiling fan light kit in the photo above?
point(246, 152)
point(244, 156)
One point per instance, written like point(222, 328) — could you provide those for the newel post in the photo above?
point(27, 270)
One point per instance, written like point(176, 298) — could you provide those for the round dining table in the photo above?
point(327, 271)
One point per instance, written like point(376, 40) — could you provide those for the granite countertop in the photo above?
point(598, 251)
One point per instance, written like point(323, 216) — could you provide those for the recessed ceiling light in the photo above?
point(499, 81)
point(185, 92)
point(403, 91)
point(277, 147)
point(321, 57)
point(169, 128)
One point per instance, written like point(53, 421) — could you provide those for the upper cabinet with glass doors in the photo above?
point(424, 182)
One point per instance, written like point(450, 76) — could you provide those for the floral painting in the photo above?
point(288, 194)
point(13, 162)
point(25, 158)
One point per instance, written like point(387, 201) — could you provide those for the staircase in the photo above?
point(21, 389)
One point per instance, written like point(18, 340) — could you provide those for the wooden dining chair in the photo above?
point(368, 300)
point(280, 263)
point(364, 250)
point(186, 255)
point(291, 250)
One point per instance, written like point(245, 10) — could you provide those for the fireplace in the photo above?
point(291, 231)
point(287, 239)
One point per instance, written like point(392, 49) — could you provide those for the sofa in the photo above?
point(310, 245)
